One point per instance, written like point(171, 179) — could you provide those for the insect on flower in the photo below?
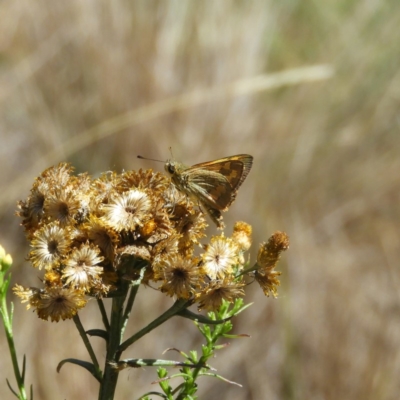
point(213, 184)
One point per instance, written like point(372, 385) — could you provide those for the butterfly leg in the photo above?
point(215, 215)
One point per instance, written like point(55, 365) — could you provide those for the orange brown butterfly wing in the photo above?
point(235, 168)
point(211, 188)
point(216, 182)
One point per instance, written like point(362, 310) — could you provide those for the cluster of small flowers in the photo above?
point(91, 235)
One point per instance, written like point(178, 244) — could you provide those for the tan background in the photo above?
point(326, 171)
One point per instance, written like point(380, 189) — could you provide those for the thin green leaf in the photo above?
point(23, 369)
point(84, 364)
point(150, 362)
point(99, 333)
point(12, 390)
point(154, 393)
point(243, 308)
point(201, 318)
point(221, 378)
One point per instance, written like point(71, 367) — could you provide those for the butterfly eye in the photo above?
point(171, 169)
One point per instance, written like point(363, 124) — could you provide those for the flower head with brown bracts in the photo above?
point(220, 257)
point(181, 276)
point(49, 244)
point(55, 302)
point(127, 211)
point(81, 269)
point(267, 258)
point(217, 291)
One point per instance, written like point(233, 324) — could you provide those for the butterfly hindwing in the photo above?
point(211, 188)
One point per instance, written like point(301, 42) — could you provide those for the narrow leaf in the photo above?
point(84, 364)
point(150, 362)
point(23, 369)
point(154, 393)
point(98, 332)
point(12, 390)
point(201, 318)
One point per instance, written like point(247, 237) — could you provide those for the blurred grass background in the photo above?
point(326, 171)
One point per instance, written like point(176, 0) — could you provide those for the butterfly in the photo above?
point(213, 184)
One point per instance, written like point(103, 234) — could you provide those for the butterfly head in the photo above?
point(176, 171)
point(170, 167)
point(174, 168)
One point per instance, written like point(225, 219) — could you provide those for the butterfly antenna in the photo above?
point(170, 150)
point(150, 159)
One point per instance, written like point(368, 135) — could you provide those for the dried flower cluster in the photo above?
point(90, 235)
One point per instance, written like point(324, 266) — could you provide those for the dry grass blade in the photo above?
point(159, 108)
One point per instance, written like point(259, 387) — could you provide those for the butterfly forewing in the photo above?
point(235, 168)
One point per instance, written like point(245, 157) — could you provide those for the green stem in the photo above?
point(129, 304)
point(7, 321)
point(88, 346)
point(178, 306)
point(110, 377)
point(247, 270)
